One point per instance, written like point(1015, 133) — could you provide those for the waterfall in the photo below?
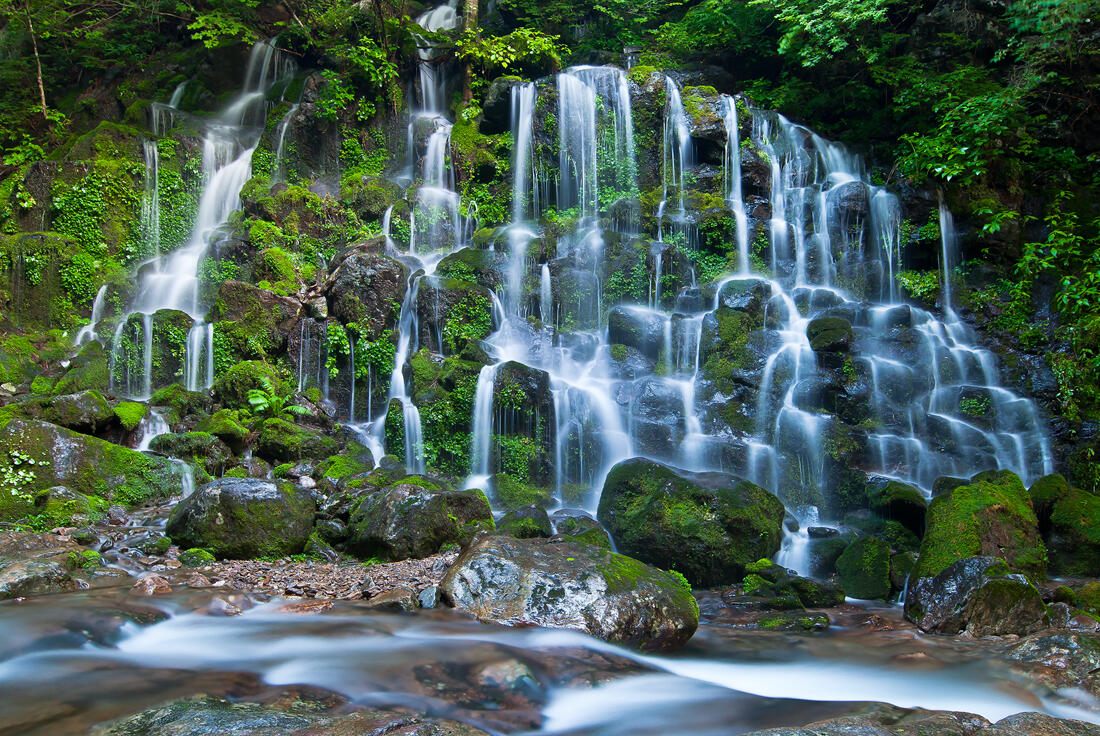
point(171, 281)
point(732, 178)
point(284, 124)
point(676, 151)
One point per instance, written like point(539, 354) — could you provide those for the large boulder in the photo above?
point(570, 585)
point(84, 411)
point(990, 516)
point(39, 455)
point(363, 288)
point(281, 441)
point(864, 568)
point(1069, 519)
point(201, 448)
point(978, 595)
point(24, 578)
point(243, 517)
point(407, 520)
point(902, 502)
point(707, 526)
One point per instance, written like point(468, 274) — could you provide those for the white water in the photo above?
point(171, 281)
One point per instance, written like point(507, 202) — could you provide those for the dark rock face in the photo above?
point(1069, 519)
point(902, 502)
point(562, 584)
point(977, 595)
point(243, 517)
point(85, 411)
point(407, 520)
point(636, 328)
point(706, 525)
point(829, 334)
point(364, 285)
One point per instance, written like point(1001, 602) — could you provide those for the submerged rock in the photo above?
point(243, 517)
point(977, 595)
point(568, 585)
point(408, 520)
point(708, 526)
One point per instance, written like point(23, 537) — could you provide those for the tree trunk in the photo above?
point(38, 62)
point(469, 18)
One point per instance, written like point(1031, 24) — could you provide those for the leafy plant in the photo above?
point(268, 402)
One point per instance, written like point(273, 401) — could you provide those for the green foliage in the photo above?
point(921, 284)
point(221, 28)
point(523, 48)
point(816, 32)
point(270, 403)
point(471, 318)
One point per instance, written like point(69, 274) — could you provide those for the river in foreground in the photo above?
point(72, 660)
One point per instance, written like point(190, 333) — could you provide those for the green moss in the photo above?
point(990, 516)
point(226, 425)
point(84, 559)
point(511, 493)
point(864, 568)
point(232, 387)
point(280, 440)
point(618, 352)
point(130, 414)
point(196, 557)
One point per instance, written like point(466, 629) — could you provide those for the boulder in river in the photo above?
point(570, 585)
point(978, 595)
point(411, 520)
point(1069, 519)
point(708, 526)
point(243, 517)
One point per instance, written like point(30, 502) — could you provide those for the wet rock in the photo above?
point(231, 388)
point(822, 532)
point(150, 585)
point(429, 597)
point(902, 502)
point(243, 517)
point(254, 323)
point(578, 526)
point(61, 457)
point(637, 328)
point(201, 448)
point(991, 516)
point(291, 715)
point(977, 595)
point(526, 523)
point(1061, 659)
point(282, 441)
point(24, 578)
point(1040, 724)
point(408, 520)
point(708, 526)
point(864, 568)
point(829, 334)
point(562, 584)
point(399, 599)
point(363, 287)
point(85, 411)
point(783, 589)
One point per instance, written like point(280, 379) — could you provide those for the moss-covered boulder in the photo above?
point(181, 401)
point(61, 506)
point(225, 424)
point(978, 595)
point(1069, 520)
point(829, 334)
point(864, 568)
point(201, 448)
point(784, 590)
point(707, 526)
point(406, 520)
point(251, 323)
point(243, 517)
point(560, 584)
point(85, 411)
point(232, 387)
point(901, 502)
point(88, 369)
point(281, 441)
point(526, 523)
point(39, 455)
point(991, 516)
point(130, 413)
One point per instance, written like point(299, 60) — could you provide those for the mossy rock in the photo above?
point(89, 369)
point(281, 441)
point(406, 520)
point(829, 334)
point(61, 506)
point(130, 413)
point(225, 424)
point(1073, 534)
point(243, 517)
point(232, 387)
point(864, 569)
point(86, 411)
point(17, 359)
point(181, 401)
point(196, 557)
point(510, 493)
point(526, 523)
point(354, 460)
point(86, 464)
point(1088, 596)
point(991, 516)
point(902, 502)
point(200, 448)
point(708, 526)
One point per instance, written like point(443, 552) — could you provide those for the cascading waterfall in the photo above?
point(828, 226)
point(171, 281)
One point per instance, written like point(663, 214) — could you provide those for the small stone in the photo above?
point(197, 580)
point(398, 599)
point(429, 597)
point(117, 515)
point(151, 585)
point(219, 607)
